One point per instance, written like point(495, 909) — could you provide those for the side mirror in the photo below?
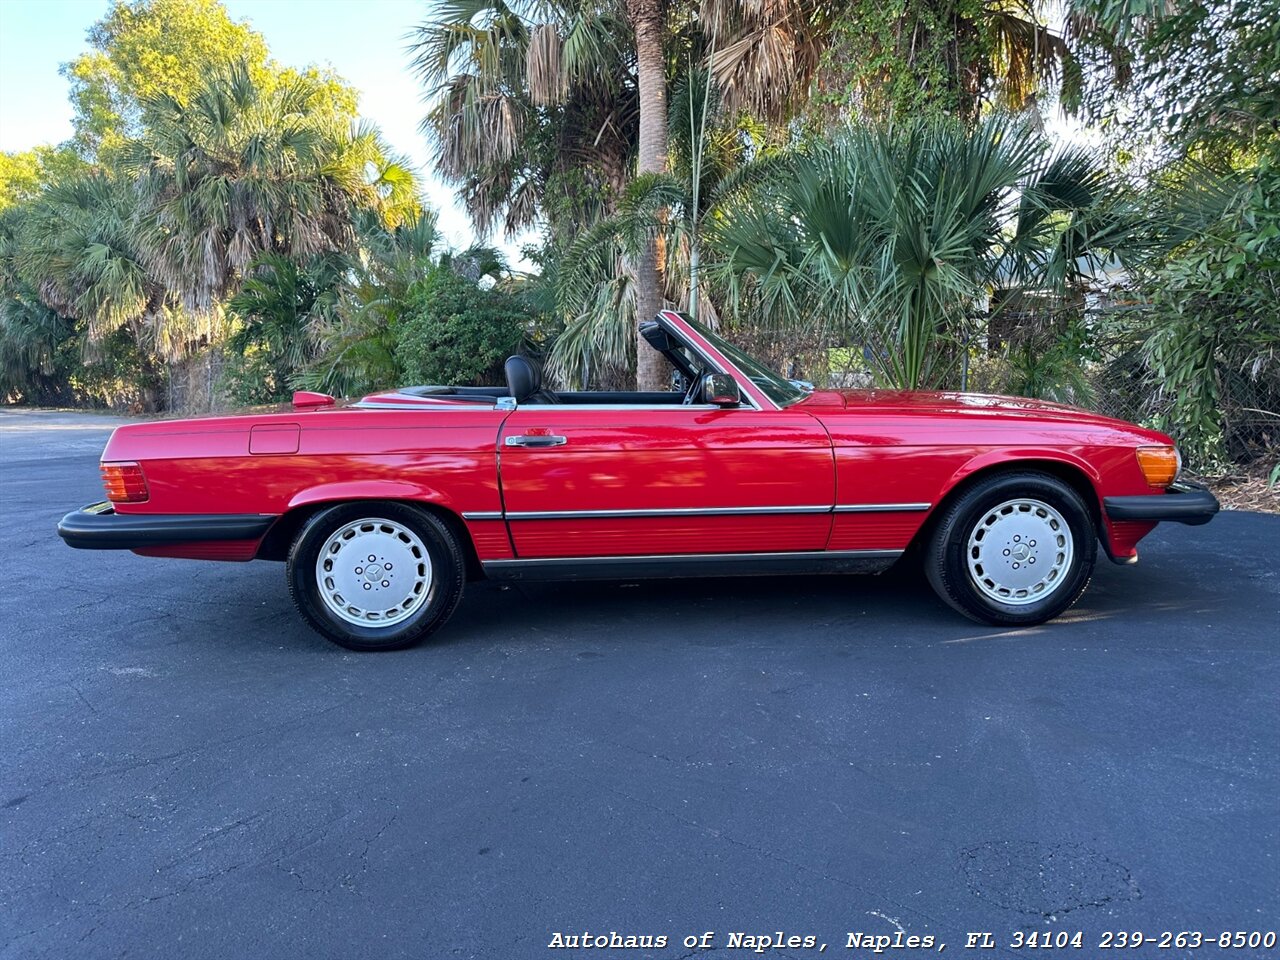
point(721, 390)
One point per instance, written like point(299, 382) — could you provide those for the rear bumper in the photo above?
point(1184, 502)
point(99, 527)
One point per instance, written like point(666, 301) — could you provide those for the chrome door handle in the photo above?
point(536, 441)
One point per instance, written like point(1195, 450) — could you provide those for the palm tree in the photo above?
point(535, 116)
point(532, 108)
point(648, 21)
point(713, 162)
point(30, 334)
point(78, 247)
point(30, 331)
point(765, 56)
point(538, 106)
point(245, 169)
point(74, 252)
point(893, 238)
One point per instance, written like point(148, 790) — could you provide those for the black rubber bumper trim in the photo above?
point(671, 566)
point(1185, 502)
point(99, 527)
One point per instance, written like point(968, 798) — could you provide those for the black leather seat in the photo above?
point(524, 380)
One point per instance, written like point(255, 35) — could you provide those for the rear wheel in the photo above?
point(1015, 549)
point(375, 575)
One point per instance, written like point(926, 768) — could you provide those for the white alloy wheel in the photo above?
point(1020, 551)
point(374, 572)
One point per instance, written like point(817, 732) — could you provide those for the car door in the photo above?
point(603, 481)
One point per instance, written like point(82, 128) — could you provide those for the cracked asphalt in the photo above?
point(187, 771)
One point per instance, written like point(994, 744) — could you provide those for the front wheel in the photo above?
point(375, 576)
point(1014, 550)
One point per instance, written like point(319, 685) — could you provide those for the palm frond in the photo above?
point(891, 238)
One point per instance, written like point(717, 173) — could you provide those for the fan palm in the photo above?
point(765, 56)
point(894, 237)
point(245, 169)
point(30, 331)
point(29, 337)
point(71, 264)
point(77, 246)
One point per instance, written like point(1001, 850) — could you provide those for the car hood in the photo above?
point(954, 404)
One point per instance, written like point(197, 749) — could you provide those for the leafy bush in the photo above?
point(1049, 364)
point(454, 332)
point(1214, 346)
point(113, 371)
point(278, 310)
point(250, 379)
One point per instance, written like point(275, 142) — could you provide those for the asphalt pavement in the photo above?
point(187, 771)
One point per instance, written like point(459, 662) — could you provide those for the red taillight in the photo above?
point(124, 482)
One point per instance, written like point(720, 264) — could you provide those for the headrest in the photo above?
point(523, 378)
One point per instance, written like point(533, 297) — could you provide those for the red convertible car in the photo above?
point(384, 508)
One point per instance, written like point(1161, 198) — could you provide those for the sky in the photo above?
point(363, 40)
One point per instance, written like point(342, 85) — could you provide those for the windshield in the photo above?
point(775, 386)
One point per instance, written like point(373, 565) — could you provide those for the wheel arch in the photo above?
point(1076, 474)
point(275, 545)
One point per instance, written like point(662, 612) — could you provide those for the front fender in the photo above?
point(1018, 457)
point(1120, 539)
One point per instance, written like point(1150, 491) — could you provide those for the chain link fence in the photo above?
point(1085, 357)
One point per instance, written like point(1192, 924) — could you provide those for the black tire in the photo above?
point(987, 504)
point(432, 586)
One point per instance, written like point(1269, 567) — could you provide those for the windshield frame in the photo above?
point(775, 388)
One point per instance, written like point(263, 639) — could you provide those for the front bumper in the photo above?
point(1184, 502)
point(99, 527)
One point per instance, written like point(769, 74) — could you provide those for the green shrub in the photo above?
point(1214, 345)
point(116, 372)
point(1049, 364)
point(454, 332)
point(250, 379)
point(52, 367)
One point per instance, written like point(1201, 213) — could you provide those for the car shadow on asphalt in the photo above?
point(896, 604)
point(1154, 598)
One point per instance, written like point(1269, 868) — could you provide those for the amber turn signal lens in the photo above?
point(1159, 464)
point(124, 482)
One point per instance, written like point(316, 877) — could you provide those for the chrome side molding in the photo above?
point(882, 507)
point(665, 512)
point(697, 511)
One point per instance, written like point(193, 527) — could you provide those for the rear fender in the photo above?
point(371, 490)
point(307, 503)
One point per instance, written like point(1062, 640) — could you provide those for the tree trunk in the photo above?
point(648, 18)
